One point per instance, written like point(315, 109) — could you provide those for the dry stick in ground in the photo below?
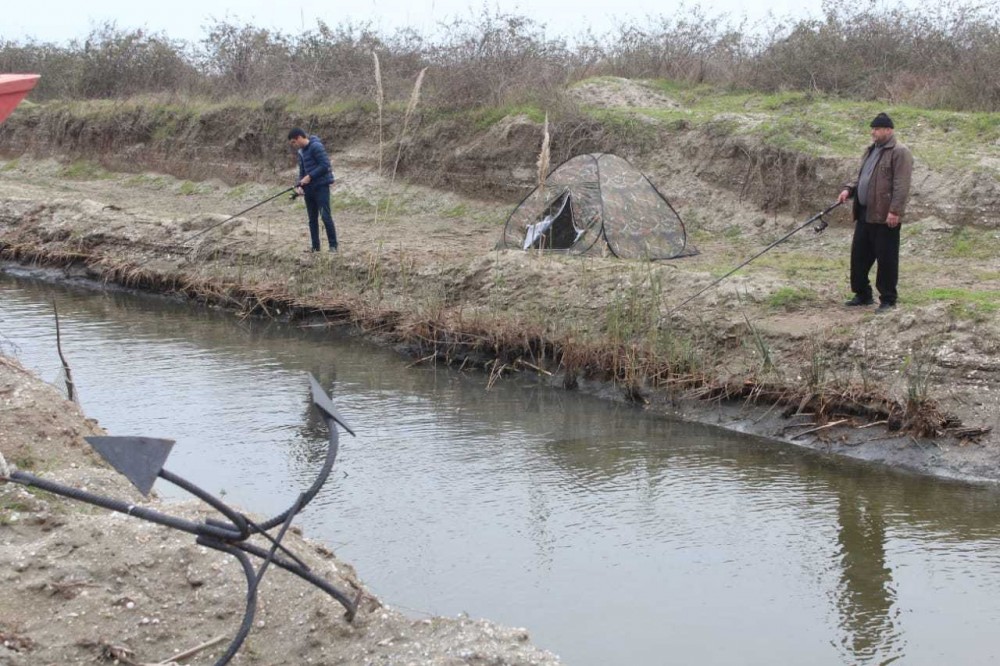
point(189, 653)
point(534, 367)
point(822, 427)
point(70, 392)
point(421, 360)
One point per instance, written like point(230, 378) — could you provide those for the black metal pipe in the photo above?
point(251, 607)
point(191, 527)
point(237, 520)
point(324, 473)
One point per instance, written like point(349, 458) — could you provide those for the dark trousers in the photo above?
point(318, 205)
point(875, 243)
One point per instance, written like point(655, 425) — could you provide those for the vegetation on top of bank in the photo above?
point(935, 56)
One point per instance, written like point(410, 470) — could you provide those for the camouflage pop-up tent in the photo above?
point(596, 199)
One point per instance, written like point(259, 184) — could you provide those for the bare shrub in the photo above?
point(940, 55)
point(109, 63)
point(692, 47)
point(496, 60)
point(241, 59)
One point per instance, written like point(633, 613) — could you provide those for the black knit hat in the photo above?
point(882, 120)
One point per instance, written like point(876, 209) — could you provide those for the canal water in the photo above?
point(614, 536)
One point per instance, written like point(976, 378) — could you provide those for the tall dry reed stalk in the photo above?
point(411, 106)
point(379, 102)
point(543, 155)
point(543, 165)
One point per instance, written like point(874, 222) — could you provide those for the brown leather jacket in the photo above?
point(890, 184)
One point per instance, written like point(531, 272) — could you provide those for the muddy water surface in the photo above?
point(616, 537)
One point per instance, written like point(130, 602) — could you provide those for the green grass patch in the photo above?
point(239, 191)
point(807, 266)
point(347, 201)
point(825, 125)
point(791, 298)
point(965, 303)
point(487, 118)
point(83, 170)
point(457, 211)
point(189, 188)
point(966, 243)
point(148, 181)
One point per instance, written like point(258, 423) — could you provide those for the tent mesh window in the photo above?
point(611, 201)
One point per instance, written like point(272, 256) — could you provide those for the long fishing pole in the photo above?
point(819, 227)
point(256, 205)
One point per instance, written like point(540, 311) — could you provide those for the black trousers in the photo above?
point(318, 205)
point(875, 243)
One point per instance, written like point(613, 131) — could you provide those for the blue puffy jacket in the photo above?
point(313, 161)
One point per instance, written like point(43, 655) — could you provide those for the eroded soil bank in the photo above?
point(83, 585)
point(772, 351)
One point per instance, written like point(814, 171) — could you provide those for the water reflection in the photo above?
point(615, 536)
point(866, 595)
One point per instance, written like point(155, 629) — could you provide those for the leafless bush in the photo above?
point(943, 55)
point(940, 55)
point(109, 63)
point(496, 60)
point(692, 47)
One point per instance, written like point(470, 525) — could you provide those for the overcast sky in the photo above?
point(62, 20)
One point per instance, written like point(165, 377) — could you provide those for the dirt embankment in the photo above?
point(83, 585)
point(770, 351)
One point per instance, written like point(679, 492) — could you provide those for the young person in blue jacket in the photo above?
point(315, 178)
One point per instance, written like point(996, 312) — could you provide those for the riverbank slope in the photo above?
point(80, 584)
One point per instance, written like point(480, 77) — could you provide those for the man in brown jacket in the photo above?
point(880, 193)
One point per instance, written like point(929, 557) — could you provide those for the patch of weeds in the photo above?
point(456, 211)
point(10, 165)
point(791, 298)
point(83, 170)
point(392, 206)
point(733, 232)
point(487, 118)
point(966, 243)
point(147, 181)
point(963, 303)
point(917, 369)
point(188, 188)
point(239, 191)
point(24, 461)
point(819, 365)
point(634, 311)
point(345, 201)
point(758, 347)
point(795, 265)
point(630, 127)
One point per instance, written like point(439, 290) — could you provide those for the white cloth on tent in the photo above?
point(536, 231)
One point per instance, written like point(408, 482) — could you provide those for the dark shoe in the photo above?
point(314, 249)
point(885, 307)
point(857, 300)
point(333, 249)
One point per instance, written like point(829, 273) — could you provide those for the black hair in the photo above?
point(296, 132)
